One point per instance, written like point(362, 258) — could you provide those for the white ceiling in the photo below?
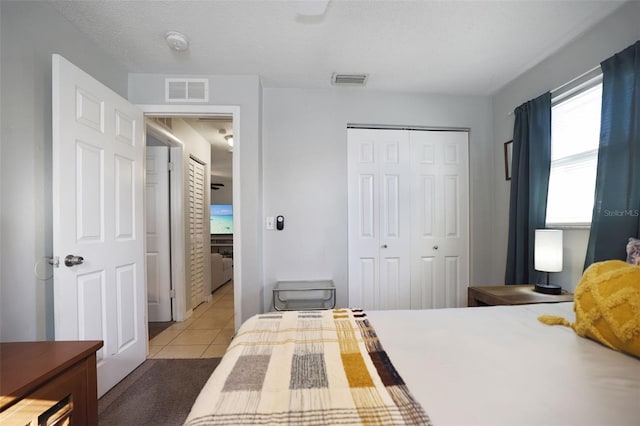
point(446, 47)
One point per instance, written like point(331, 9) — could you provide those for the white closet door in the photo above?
point(379, 219)
point(197, 231)
point(408, 218)
point(440, 219)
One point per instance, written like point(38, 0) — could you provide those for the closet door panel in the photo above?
point(408, 218)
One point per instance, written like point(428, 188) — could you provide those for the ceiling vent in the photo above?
point(186, 90)
point(349, 79)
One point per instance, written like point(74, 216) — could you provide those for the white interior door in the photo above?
point(440, 219)
point(379, 219)
point(197, 231)
point(408, 218)
point(98, 147)
point(157, 229)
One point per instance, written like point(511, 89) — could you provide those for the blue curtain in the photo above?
point(616, 211)
point(531, 162)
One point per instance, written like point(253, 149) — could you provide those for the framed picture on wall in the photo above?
point(508, 154)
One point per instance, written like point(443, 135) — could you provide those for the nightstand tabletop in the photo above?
point(520, 294)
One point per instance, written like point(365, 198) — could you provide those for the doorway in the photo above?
point(181, 308)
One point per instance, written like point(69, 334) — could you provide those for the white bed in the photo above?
point(495, 366)
point(501, 366)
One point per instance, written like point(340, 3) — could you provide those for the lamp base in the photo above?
point(548, 288)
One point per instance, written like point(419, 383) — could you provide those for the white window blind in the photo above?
point(575, 136)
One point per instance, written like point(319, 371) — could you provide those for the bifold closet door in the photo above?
point(408, 218)
point(379, 219)
point(197, 231)
point(439, 219)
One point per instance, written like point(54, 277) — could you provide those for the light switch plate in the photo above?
point(270, 223)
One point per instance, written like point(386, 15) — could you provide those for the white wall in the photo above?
point(29, 33)
point(613, 34)
point(245, 92)
point(304, 158)
point(305, 174)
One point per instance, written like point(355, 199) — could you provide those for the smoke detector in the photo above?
point(177, 41)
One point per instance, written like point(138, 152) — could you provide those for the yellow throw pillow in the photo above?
point(607, 306)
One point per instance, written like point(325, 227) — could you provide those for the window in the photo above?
point(575, 136)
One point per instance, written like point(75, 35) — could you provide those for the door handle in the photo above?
point(71, 260)
point(383, 246)
point(435, 247)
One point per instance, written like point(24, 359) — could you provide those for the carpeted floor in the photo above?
point(156, 328)
point(159, 392)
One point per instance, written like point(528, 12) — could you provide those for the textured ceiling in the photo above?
point(448, 47)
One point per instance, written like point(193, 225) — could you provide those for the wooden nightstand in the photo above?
point(511, 295)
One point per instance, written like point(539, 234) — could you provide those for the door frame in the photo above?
point(178, 237)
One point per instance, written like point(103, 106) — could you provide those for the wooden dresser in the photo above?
point(48, 383)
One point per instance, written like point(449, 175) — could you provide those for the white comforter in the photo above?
point(501, 366)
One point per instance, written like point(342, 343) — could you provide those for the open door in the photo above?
point(98, 229)
point(157, 229)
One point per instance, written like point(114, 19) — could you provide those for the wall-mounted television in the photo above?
point(221, 218)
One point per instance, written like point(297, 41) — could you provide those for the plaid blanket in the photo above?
point(306, 367)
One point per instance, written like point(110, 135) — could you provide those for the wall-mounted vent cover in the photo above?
point(349, 79)
point(186, 90)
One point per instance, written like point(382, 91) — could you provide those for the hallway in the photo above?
point(206, 334)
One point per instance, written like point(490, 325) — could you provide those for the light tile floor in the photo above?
point(206, 334)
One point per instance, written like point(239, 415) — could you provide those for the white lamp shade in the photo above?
point(548, 250)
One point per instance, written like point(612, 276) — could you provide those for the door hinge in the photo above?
point(172, 294)
point(170, 166)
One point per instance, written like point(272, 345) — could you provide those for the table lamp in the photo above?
point(548, 257)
